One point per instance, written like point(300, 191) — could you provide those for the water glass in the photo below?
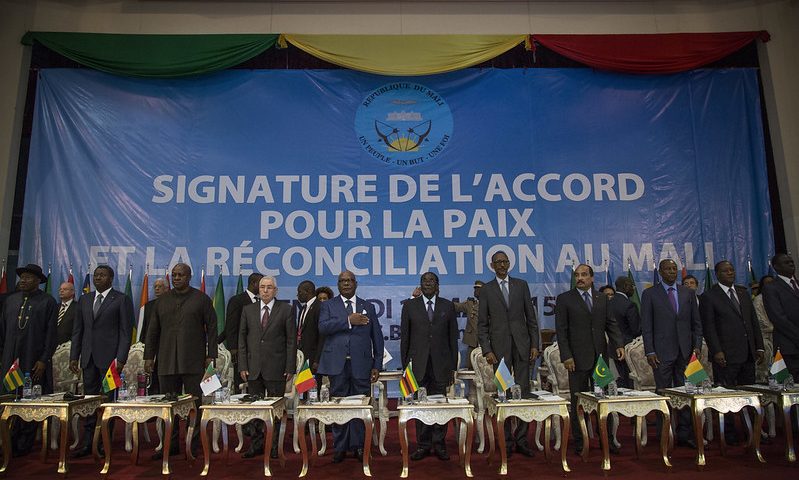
point(226, 394)
point(788, 383)
point(707, 386)
point(421, 394)
point(613, 389)
point(460, 389)
point(37, 392)
point(219, 396)
point(133, 389)
point(516, 392)
point(689, 388)
point(313, 396)
point(501, 398)
point(599, 392)
point(324, 394)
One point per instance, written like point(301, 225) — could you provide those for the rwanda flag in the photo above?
point(502, 377)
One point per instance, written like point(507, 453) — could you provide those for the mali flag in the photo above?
point(13, 380)
point(111, 380)
point(408, 384)
point(694, 372)
point(304, 380)
point(143, 299)
point(602, 374)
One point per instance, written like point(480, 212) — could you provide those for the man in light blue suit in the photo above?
point(352, 356)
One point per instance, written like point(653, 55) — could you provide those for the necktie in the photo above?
point(97, 302)
point(795, 288)
point(265, 317)
point(505, 293)
point(735, 300)
point(349, 307)
point(61, 312)
point(588, 302)
point(673, 298)
point(430, 310)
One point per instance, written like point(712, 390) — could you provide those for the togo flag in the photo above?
point(602, 374)
point(210, 382)
point(779, 369)
point(12, 379)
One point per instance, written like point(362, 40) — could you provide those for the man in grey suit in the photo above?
point(66, 312)
point(672, 331)
point(182, 332)
point(101, 333)
point(429, 338)
point(582, 318)
point(267, 352)
point(507, 327)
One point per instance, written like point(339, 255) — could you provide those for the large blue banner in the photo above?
point(302, 174)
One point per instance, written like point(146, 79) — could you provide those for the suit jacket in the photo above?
point(233, 318)
point(37, 341)
point(308, 339)
point(668, 334)
point(500, 325)
point(727, 330)
point(64, 331)
point(471, 307)
point(363, 343)
point(269, 352)
point(581, 332)
point(182, 332)
point(422, 340)
point(627, 318)
point(149, 311)
point(782, 306)
point(105, 336)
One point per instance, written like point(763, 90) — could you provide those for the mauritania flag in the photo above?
point(304, 380)
point(602, 374)
point(219, 305)
point(503, 377)
point(111, 380)
point(694, 372)
point(408, 383)
point(12, 380)
point(779, 369)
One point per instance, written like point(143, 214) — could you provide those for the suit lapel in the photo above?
point(108, 299)
point(498, 291)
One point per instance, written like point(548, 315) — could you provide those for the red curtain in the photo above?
point(648, 53)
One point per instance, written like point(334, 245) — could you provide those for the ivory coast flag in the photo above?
point(408, 384)
point(304, 380)
point(111, 380)
point(694, 372)
point(779, 369)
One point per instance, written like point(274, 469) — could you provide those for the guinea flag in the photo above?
point(304, 380)
point(694, 372)
point(111, 380)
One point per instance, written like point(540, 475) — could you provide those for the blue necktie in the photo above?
point(588, 302)
point(430, 310)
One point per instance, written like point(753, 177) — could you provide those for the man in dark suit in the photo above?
point(507, 327)
point(471, 307)
point(582, 318)
point(100, 334)
point(629, 321)
point(672, 331)
point(352, 356)
point(267, 352)
point(306, 315)
point(781, 299)
point(429, 338)
point(233, 318)
point(28, 333)
point(732, 332)
point(66, 312)
point(182, 333)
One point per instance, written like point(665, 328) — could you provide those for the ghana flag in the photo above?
point(111, 380)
